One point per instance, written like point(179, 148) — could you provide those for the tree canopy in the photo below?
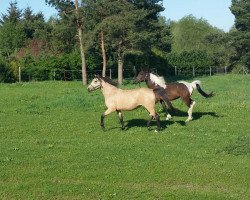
point(241, 37)
point(116, 34)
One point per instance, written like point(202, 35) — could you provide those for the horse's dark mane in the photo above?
point(108, 80)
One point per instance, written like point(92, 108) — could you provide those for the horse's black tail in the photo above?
point(204, 94)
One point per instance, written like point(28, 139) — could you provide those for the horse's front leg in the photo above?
point(121, 119)
point(168, 116)
point(107, 112)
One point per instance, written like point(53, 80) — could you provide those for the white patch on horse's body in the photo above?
point(158, 80)
point(191, 86)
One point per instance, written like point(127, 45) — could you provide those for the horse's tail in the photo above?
point(197, 85)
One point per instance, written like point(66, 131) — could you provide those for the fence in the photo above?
point(128, 74)
point(200, 71)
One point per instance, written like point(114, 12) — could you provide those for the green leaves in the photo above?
point(197, 59)
point(241, 37)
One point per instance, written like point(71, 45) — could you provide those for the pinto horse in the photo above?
point(174, 90)
point(121, 100)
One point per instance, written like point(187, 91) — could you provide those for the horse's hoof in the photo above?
point(168, 117)
point(189, 119)
point(123, 128)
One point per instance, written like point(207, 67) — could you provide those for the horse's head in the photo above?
point(95, 84)
point(142, 76)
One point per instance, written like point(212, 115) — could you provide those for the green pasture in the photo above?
point(52, 147)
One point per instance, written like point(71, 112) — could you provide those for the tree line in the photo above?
point(116, 34)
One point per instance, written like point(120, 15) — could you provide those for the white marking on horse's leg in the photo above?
point(190, 112)
point(168, 117)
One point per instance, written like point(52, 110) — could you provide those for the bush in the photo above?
point(6, 74)
point(184, 60)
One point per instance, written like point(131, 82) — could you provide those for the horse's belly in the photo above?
point(127, 104)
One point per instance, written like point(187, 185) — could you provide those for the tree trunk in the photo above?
point(104, 62)
point(120, 65)
point(79, 30)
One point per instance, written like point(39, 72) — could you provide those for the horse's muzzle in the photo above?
point(90, 89)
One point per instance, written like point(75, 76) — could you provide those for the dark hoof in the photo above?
point(123, 128)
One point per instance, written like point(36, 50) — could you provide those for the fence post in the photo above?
point(193, 71)
point(110, 73)
point(64, 74)
point(175, 70)
point(19, 75)
point(54, 75)
point(225, 69)
point(210, 71)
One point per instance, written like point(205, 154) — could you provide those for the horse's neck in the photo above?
point(108, 89)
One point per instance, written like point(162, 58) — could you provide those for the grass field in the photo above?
point(52, 147)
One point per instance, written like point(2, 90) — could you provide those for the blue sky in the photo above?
point(216, 12)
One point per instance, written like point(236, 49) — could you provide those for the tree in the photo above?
point(197, 35)
point(241, 37)
point(188, 34)
point(71, 12)
point(11, 32)
point(13, 14)
point(129, 27)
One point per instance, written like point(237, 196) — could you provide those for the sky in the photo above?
point(216, 12)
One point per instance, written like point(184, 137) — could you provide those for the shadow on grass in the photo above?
point(164, 123)
point(196, 116)
point(143, 123)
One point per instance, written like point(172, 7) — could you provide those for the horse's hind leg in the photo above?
point(149, 122)
point(107, 112)
point(190, 111)
point(190, 103)
point(153, 114)
point(157, 117)
point(121, 119)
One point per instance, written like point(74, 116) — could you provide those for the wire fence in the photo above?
point(184, 71)
point(128, 74)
